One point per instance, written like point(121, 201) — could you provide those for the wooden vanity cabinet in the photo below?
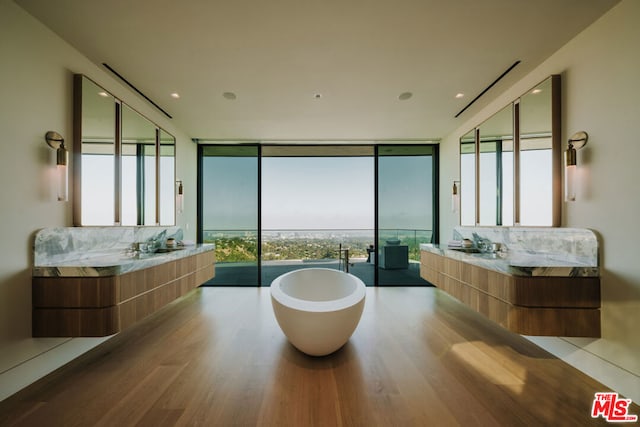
point(538, 305)
point(102, 306)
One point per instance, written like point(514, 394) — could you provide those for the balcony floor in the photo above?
point(244, 274)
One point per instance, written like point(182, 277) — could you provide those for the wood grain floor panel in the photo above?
point(218, 358)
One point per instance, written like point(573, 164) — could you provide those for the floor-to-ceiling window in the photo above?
point(229, 211)
point(273, 208)
point(406, 211)
point(317, 208)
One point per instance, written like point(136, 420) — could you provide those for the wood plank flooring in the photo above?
point(218, 358)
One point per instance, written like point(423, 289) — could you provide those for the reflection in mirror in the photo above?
point(138, 169)
point(508, 182)
point(496, 169)
point(148, 175)
point(167, 178)
point(468, 179)
point(536, 172)
point(97, 155)
point(124, 165)
point(516, 182)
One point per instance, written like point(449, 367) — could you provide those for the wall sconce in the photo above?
point(576, 142)
point(455, 197)
point(56, 141)
point(180, 197)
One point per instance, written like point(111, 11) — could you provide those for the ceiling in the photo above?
point(314, 70)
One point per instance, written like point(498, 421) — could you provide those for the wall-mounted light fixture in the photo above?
point(576, 142)
point(180, 197)
point(56, 141)
point(455, 197)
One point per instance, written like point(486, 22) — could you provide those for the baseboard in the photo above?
point(30, 371)
point(618, 379)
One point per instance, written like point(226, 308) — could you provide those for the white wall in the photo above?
point(600, 71)
point(36, 69)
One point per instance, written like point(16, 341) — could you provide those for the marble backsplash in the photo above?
point(62, 244)
point(575, 245)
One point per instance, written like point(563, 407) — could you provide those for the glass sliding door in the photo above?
point(317, 204)
point(406, 211)
point(229, 211)
point(275, 208)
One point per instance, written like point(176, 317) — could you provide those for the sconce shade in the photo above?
point(577, 141)
point(63, 178)
point(455, 198)
point(569, 183)
point(180, 197)
point(56, 141)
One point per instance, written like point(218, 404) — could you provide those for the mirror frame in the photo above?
point(78, 80)
point(556, 156)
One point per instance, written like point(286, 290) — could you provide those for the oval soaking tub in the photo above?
point(317, 308)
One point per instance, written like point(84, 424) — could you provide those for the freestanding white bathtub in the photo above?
point(318, 308)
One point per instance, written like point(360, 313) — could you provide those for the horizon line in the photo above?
point(314, 229)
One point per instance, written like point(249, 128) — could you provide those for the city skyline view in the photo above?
point(312, 205)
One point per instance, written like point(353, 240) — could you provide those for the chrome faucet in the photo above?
point(482, 243)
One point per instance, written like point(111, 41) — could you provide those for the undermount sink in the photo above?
point(466, 250)
point(165, 250)
point(477, 253)
point(486, 255)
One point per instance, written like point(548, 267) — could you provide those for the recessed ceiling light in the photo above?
point(103, 93)
point(459, 95)
point(404, 96)
point(229, 95)
point(535, 91)
point(175, 95)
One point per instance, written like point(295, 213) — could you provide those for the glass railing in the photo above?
point(311, 245)
point(233, 245)
point(308, 245)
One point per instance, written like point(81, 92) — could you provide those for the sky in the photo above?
point(310, 193)
point(317, 192)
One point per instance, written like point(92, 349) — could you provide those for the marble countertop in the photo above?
point(112, 263)
point(519, 264)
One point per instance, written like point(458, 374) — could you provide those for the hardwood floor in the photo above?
point(218, 358)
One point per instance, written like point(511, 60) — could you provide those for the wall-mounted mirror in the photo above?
point(124, 165)
point(468, 177)
point(167, 179)
point(138, 169)
point(495, 171)
point(537, 169)
point(512, 162)
point(95, 167)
